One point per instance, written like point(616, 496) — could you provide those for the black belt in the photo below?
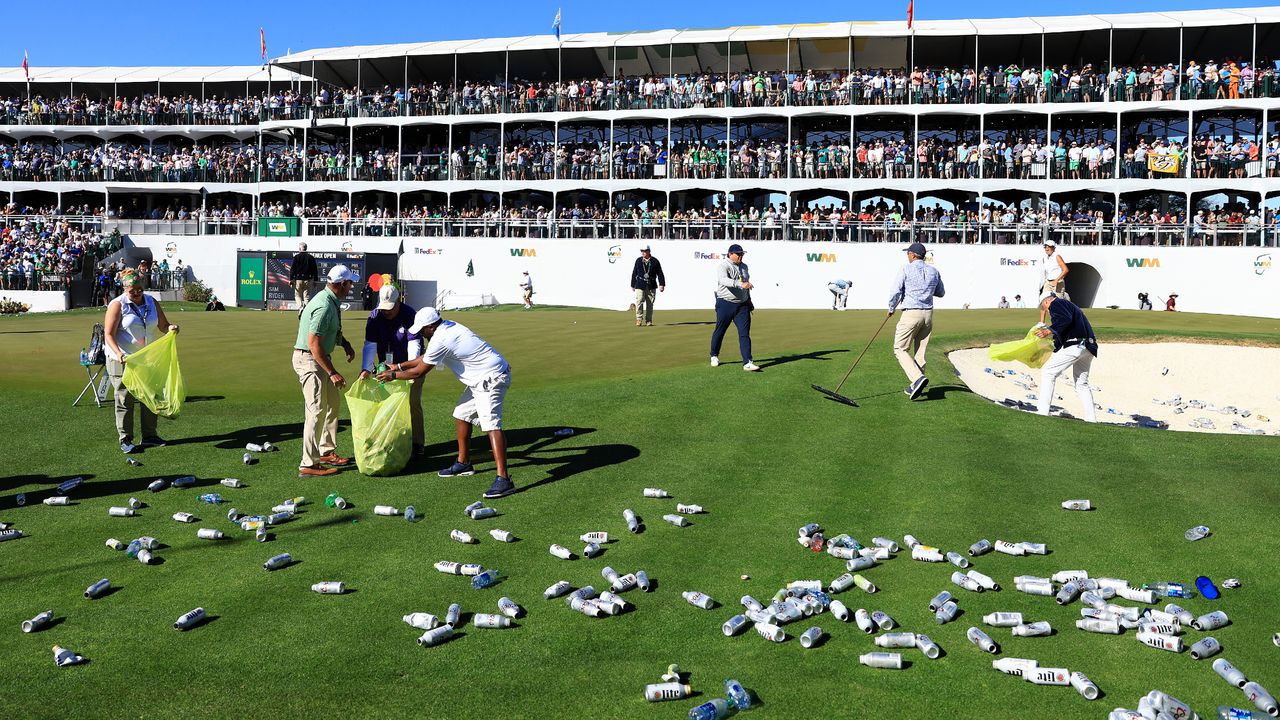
point(302, 351)
point(1078, 341)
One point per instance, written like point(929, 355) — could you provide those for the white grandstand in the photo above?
point(1152, 129)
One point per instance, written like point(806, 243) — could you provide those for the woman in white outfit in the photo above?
point(133, 320)
point(1053, 273)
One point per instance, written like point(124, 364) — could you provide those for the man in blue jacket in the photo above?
point(647, 281)
point(1074, 346)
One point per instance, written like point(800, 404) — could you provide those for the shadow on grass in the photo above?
point(89, 489)
point(237, 439)
point(204, 398)
point(535, 447)
point(815, 355)
point(691, 322)
point(30, 332)
point(940, 392)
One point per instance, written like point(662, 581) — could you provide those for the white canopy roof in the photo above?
point(228, 74)
point(923, 27)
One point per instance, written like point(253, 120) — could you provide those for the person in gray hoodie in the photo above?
point(733, 305)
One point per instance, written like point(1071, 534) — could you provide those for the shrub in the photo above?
point(197, 292)
point(12, 307)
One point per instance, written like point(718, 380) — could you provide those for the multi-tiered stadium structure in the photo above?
point(1134, 136)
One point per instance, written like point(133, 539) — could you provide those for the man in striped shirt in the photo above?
point(917, 284)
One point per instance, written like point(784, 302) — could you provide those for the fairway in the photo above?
point(763, 453)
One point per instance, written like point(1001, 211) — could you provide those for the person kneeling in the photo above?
point(486, 375)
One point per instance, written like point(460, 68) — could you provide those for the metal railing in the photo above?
point(894, 90)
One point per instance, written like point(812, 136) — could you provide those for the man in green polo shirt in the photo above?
point(319, 332)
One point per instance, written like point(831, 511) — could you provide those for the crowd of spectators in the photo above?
point(1231, 79)
point(45, 252)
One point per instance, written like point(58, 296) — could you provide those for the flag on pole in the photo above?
point(26, 67)
point(262, 39)
point(555, 25)
point(911, 12)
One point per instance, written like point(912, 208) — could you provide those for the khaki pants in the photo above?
point(303, 291)
point(1057, 287)
point(125, 405)
point(415, 409)
point(913, 329)
point(320, 401)
point(644, 305)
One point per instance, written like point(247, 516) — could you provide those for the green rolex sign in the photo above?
point(253, 280)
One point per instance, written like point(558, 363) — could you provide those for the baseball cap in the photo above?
point(1050, 243)
point(915, 248)
point(646, 248)
point(388, 296)
point(426, 316)
point(341, 273)
point(736, 248)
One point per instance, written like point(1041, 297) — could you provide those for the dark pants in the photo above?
point(739, 314)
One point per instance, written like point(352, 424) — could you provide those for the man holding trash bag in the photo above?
point(1074, 346)
point(133, 319)
point(486, 376)
point(319, 332)
point(387, 339)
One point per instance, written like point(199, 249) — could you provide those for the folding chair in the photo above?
point(94, 362)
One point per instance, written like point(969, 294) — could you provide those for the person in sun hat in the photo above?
point(917, 284)
point(1074, 346)
point(647, 280)
point(319, 332)
point(1053, 271)
point(387, 340)
point(1171, 305)
point(133, 319)
point(486, 375)
point(733, 305)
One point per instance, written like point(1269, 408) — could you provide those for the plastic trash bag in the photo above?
point(1031, 351)
point(380, 425)
point(154, 379)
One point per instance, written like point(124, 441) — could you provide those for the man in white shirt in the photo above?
point(486, 375)
point(526, 284)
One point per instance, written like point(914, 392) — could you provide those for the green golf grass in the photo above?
point(763, 453)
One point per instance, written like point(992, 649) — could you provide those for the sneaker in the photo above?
point(750, 366)
point(127, 447)
point(457, 469)
point(715, 361)
point(917, 387)
point(649, 324)
point(501, 487)
point(316, 471)
point(153, 441)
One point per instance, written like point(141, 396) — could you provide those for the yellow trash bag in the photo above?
point(381, 425)
point(1031, 351)
point(154, 379)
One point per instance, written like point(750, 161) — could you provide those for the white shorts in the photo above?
point(482, 405)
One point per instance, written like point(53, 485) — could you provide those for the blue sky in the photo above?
point(151, 32)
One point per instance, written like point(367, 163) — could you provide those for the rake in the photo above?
point(835, 394)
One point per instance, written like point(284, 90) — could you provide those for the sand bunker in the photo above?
point(1178, 386)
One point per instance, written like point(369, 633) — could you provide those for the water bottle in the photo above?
point(483, 512)
point(946, 612)
point(887, 661)
point(1207, 647)
point(1211, 621)
point(642, 581)
point(329, 588)
point(928, 647)
point(453, 616)
point(484, 579)
point(63, 657)
point(84, 356)
point(334, 500)
point(737, 695)
point(410, 514)
point(508, 607)
point(1047, 676)
point(211, 498)
point(97, 589)
point(115, 544)
point(697, 599)
point(563, 432)
point(435, 636)
point(133, 461)
point(1014, 666)
point(1170, 589)
point(980, 548)
point(713, 709)
point(896, 640)
point(560, 588)
point(155, 486)
point(982, 640)
point(1002, 619)
point(505, 536)
point(633, 523)
point(651, 492)
point(277, 562)
point(1084, 686)
point(1035, 629)
point(184, 481)
point(1226, 712)
point(1261, 698)
point(490, 620)
point(939, 600)
point(421, 620)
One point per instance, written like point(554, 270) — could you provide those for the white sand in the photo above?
point(1131, 379)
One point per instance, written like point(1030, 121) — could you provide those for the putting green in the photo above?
point(763, 453)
